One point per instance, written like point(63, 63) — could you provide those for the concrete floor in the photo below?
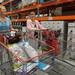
point(59, 68)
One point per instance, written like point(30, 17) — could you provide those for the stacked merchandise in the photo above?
point(58, 11)
point(26, 3)
point(29, 2)
point(17, 25)
point(53, 25)
point(71, 40)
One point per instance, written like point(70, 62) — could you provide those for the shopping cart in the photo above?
point(17, 64)
point(23, 65)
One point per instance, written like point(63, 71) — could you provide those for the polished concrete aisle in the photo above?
point(59, 68)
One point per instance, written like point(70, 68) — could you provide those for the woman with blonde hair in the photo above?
point(5, 23)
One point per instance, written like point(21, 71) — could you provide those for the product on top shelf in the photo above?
point(26, 3)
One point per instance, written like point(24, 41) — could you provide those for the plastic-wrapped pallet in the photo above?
point(71, 40)
point(26, 2)
point(58, 11)
point(53, 25)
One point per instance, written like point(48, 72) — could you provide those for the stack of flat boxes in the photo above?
point(71, 38)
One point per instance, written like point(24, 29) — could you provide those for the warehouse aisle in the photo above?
point(62, 68)
point(59, 68)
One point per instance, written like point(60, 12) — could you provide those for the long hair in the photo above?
point(1, 8)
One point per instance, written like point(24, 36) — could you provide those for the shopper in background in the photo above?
point(33, 24)
point(5, 23)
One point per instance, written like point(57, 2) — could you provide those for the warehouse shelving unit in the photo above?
point(56, 18)
point(7, 2)
point(40, 6)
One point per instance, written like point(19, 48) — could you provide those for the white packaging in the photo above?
point(31, 52)
point(15, 49)
point(23, 29)
point(26, 2)
point(12, 33)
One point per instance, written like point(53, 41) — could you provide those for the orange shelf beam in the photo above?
point(4, 3)
point(21, 10)
point(41, 5)
point(63, 18)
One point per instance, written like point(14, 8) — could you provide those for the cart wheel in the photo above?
point(5, 62)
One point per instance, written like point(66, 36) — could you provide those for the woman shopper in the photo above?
point(5, 24)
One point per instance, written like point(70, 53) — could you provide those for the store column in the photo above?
point(65, 36)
